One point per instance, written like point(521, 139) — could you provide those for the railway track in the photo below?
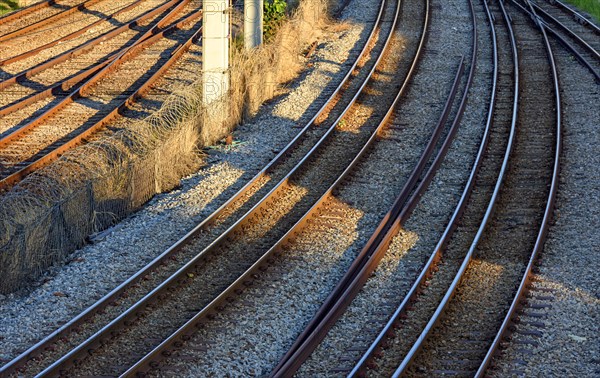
point(25, 56)
point(28, 90)
point(477, 306)
point(59, 25)
point(34, 14)
point(582, 42)
point(489, 257)
point(90, 106)
point(205, 277)
point(378, 245)
point(560, 9)
point(224, 211)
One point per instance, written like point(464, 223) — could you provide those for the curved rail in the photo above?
point(183, 273)
point(175, 340)
point(563, 41)
point(114, 294)
point(488, 214)
point(543, 232)
point(566, 29)
point(436, 255)
point(543, 228)
point(373, 252)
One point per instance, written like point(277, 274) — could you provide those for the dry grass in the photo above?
point(52, 211)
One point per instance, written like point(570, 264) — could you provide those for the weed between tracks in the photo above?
point(590, 6)
point(8, 6)
point(52, 211)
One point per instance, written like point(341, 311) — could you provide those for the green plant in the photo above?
point(274, 15)
point(8, 6)
point(590, 6)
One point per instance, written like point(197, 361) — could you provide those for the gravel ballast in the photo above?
point(122, 250)
point(567, 344)
point(251, 335)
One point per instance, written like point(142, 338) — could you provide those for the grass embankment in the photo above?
point(589, 6)
point(8, 6)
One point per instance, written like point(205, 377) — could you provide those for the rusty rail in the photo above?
point(68, 37)
point(86, 46)
point(26, 10)
point(80, 92)
point(182, 274)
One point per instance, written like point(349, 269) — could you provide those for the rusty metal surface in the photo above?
point(147, 39)
point(79, 8)
point(26, 10)
point(84, 47)
point(69, 36)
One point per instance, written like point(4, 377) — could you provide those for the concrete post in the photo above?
point(215, 49)
point(253, 23)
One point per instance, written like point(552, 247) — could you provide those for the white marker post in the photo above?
point(215, 49)
point(253, 23)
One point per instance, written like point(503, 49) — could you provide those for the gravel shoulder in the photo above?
point(120, 251)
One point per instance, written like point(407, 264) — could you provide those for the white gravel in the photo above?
point(97, 268)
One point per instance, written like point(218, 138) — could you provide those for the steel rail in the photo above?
point(536, 19)
point(578, 16)
point(356, 279)
point(26, 10)
point(87, 46)
point(112, 296)
point(56, 89)
point(385, 223)
point(565, 28)
point(80, 92)
point(50, 19)
point(75, 81)
point(68, 37)
point(182, 274)
point(436, 255)
point(543, 232)
point(176, 340)
point(488, 214)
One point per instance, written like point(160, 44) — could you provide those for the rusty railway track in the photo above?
point(29, 29)
point(31, 52)
point(33, 14)
point(31, 146)
point(36, 87)
point(340, 99)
